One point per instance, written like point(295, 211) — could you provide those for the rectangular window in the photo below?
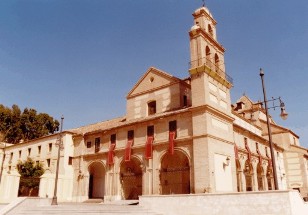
point(97, 144)
point(29, 151)
point(11, 157)
point(89, 144)
point(150, 130)
point(39, 149)
point(19, 153)
point(173, 127)
point(130, 135)
point(113, 138)
point(50, 147)
point(185, 101)
point(70, 160)
point(48, 162)
point(152, 108)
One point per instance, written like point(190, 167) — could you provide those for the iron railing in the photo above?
point(212, 66)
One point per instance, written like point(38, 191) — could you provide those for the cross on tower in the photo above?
point(203, 5)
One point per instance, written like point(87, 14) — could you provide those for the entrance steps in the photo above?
point(80, 208)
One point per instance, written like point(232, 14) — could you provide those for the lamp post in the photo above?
point(283, 115)
point(54, 198)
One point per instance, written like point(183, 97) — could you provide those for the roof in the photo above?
point(143, 85)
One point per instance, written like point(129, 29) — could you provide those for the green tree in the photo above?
point(30, 169)
point(27, 125)
point(30, 173)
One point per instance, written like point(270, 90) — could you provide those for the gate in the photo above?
point(175, 180)
point(131, 185)
point(29, 186)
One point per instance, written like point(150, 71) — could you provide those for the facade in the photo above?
point(45, 151)
point(179, 136)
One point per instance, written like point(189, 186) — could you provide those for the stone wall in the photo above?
point(271, 202)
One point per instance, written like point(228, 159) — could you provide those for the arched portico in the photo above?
point(131, 178)
point(175, 173)
point(96, 180)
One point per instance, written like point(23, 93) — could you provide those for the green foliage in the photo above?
point(29, 169)
point(27, 125)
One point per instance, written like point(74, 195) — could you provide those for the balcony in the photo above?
point(212, 67)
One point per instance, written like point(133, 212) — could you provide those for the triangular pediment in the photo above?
point(152, 80)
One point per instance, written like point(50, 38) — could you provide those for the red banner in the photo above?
point(128, 150)
point(171, 142)
point(248, 151)
point(149, 147)
point(110, 160)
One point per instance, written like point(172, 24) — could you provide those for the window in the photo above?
point(37, 163)
point(172, 127)
point(11, 156)
point(113, 138)
point(185, 101)
point(89, 144)
point(19, 153)
point(130, 135)
point(70, 160)
point(97, 144)
point(39, 149)
point(50, 147)
point(29, 151)
point(150, 131)
point(210, 29)
point(151, 107)
point(48, 162)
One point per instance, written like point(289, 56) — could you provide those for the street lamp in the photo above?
point(60, 144)
point(283, 115)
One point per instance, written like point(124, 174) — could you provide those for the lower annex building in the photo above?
point(179, 136)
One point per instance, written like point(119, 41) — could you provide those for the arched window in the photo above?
point(210, 30)
point(216, 63)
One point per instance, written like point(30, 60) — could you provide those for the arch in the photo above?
point(260, 173)
point(216, 59)
point(208, 56)
point(248, 171)
point(97, 173)
point(131, 178)
point(175, 173)
point(210, 29)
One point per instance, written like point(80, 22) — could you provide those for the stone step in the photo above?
point(90, 208)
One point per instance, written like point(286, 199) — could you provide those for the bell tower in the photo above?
point(211, 105)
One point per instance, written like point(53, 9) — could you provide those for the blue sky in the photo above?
point(81, 58)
